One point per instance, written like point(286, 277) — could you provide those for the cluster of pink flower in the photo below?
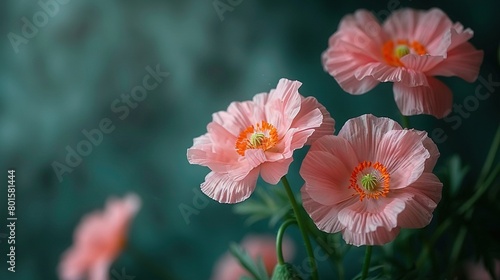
point(374, 177)
point(367, 182)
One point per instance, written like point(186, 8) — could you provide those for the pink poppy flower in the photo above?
point(409, 49)
point(98, 240)
point(257, 137)
point(264, 247)
point(371, 180)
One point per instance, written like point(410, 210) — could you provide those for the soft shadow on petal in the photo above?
point(271, 172)
point(365, 132)
point(326, 169)
point(380, 236)
point(436, 99)
point(324, 216)
point(404, 155)
point(425, 194)
point(463, 61)
point(221, 188)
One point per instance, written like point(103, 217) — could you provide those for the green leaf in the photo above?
point(457, 173)
point(272, 205)
point(257, 270)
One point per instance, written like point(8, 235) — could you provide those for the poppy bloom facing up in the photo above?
point(371, 180)
point(257, 137)
point(98, 240)
point(409, 49)
point(256, 246)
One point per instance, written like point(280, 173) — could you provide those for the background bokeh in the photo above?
point(89, 53)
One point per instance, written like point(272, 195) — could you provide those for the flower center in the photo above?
point(262, 136)
point(394, 50)
point(370, 180)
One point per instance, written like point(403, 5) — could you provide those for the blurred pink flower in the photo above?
point(98, 240)
point(409, 49)
point(371, 180)
point(257, 137)
point(473, 270)
point(263, 246)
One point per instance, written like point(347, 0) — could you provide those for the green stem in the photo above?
point(279, 239)
point(457, 245)
point(302, 226)
point(482, 184)
point(366, 265)
point(405, 121)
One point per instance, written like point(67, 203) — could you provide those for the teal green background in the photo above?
point(66, 78)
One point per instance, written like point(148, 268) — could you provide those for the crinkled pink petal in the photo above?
point(435, 99)
point(453, 37)
point(214, 149)
point(327, 126)
point(403, 154)
point(272, 172)
point(425, 194)
point(380, 236)
point(327, 168)
point(463, 61)
point(356, 43)
point(223, 189)
point(283, 105)
point(365, 131)
point(385, 73)
point(324, 216)
point(341, 64)
point(426, 27)
point(419, 64)
point(367, 215)
point(362, 30)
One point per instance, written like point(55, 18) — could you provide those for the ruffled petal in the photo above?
point(326, 169)
point(404, 155)
point(324, 216)
point(215, 149)
point(342, 65)
point(380, 236)
point(223, 189)
point(283, 105)
point(463, 61)
point(426, 27)
point(368, 215)
point(452, 38)
point(356, 43)
point(364, 132)
point(422, 198)
point(327, 126)
point(385, 73)
point(435, 99)
point(271, 172)
point(420, 64)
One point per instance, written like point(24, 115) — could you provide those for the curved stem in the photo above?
point(366, 265)
point(279, 239)
point(405, 120)
point(302, 226)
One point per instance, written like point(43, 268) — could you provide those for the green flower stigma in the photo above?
point(257, 138)
point(369, 182)
point(401, 50)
